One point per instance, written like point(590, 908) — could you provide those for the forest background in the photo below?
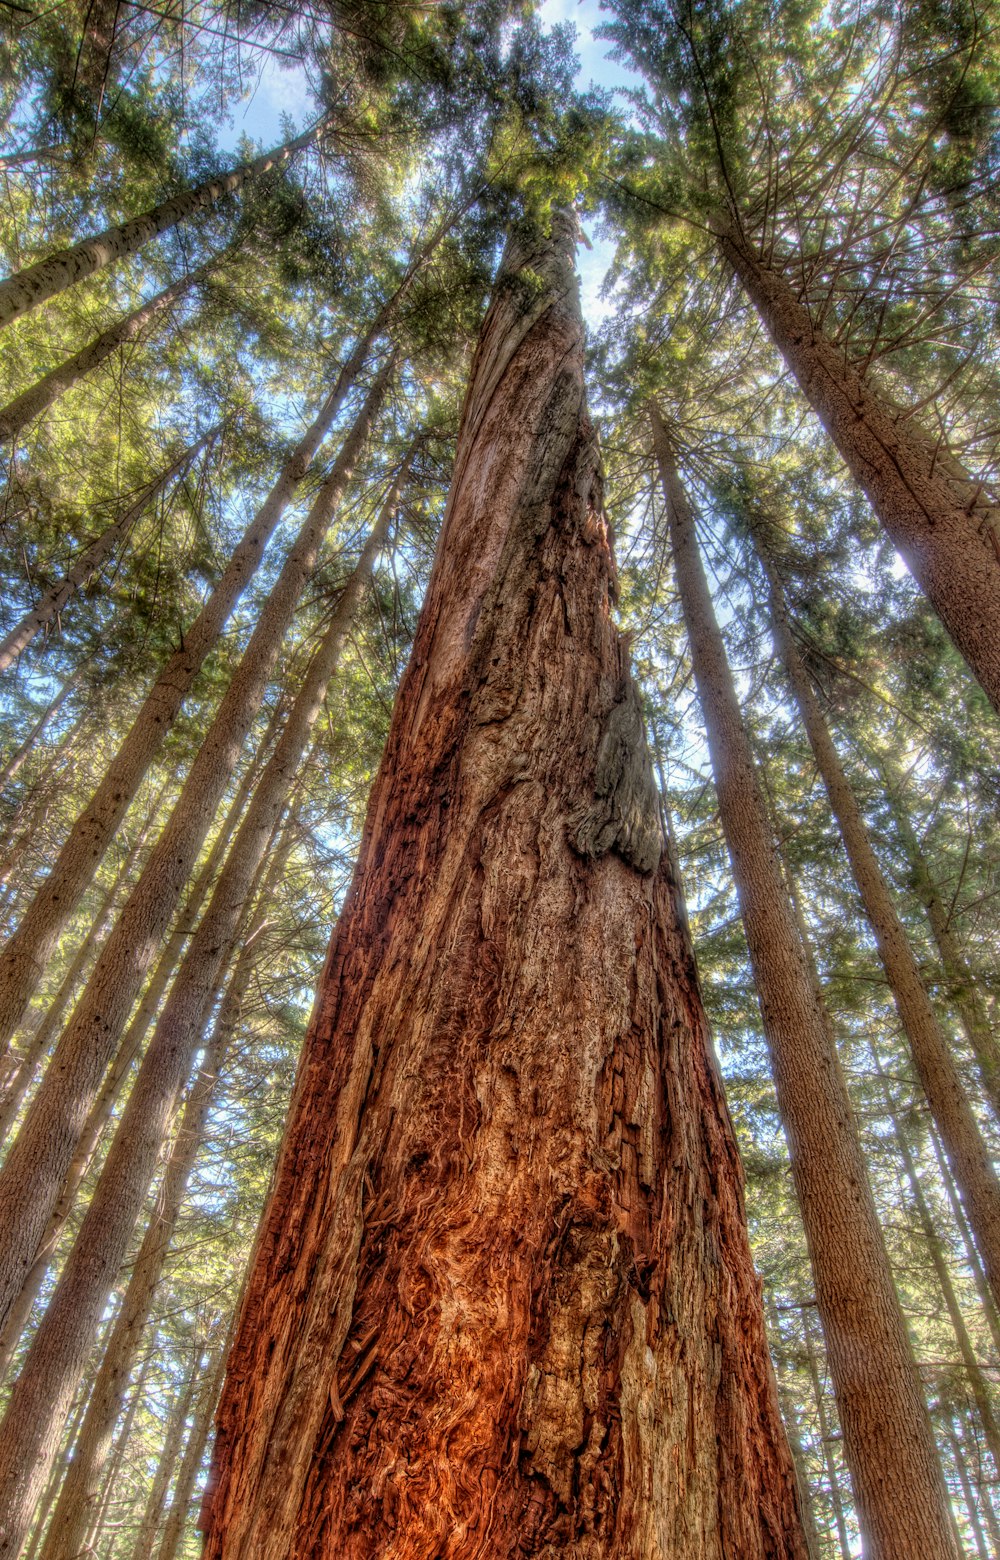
point(149, 408)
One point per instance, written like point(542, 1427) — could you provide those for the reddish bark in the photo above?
point(503, 1303)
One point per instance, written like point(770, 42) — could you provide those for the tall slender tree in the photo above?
point(897, 1479)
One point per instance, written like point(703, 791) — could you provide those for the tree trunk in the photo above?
point(48, 1030)
point(40, 1156)
point(81, 1488)
point(60, 1348)
point(899, 1489)
point(118, 1073)
point(29, 949)
point(38, 397)
point(35, 284)
point(961, 986)
point(56, 597)
point(503, 1301)
point(167, 1463)
point(977, 1381)
point(826, 1441)
point(934, 512)
point(935, 1065)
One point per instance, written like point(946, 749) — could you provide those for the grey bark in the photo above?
point(899, 1490)
point(19, 755)
point(60, 1348)
point(48, 1029)
point(121, 1067)
point(41, 1155)
point(37, 283)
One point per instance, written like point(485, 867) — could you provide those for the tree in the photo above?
point(884, 1418)
point(526, 1364)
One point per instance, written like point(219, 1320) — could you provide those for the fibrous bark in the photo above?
point(502, 1303)
point(936, 515)
point(899, 1489)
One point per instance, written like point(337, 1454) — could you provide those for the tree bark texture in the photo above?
point(503, 1303)
point(24, 408)
point(899, 1488)
point(49, 605)
point(37, 283)
point(935, 1065)
point(43, 1150)
point(26, 953)
point(935, 514)
point(62, 1344)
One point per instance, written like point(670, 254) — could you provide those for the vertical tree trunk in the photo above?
point(35, 284)
point(25, 407)
point(899, 1490)
point(61, 1345)
point(503, 1300)
point(118, 1073)
point(40, 1156)
point(933, 511)
point(935, 1066)
point(167, 1464)
point(28, 950)
point(55, 598)
point(826, 1441)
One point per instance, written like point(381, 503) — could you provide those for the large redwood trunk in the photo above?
point(503, 1303)
point(936, 515)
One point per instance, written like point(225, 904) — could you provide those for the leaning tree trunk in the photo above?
point(899, 1489)
point(961, 987)
point(81, 1487)
point(17, 758)
point(29, 1434)
point(935, 1250)
point(34, 285)
point(49, 606)
point(24, 408)
point(935, 514)
point(935, 1065)
point(27, 952)
point(194, 1451)
point(40, 1156)
point(503, 1301)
